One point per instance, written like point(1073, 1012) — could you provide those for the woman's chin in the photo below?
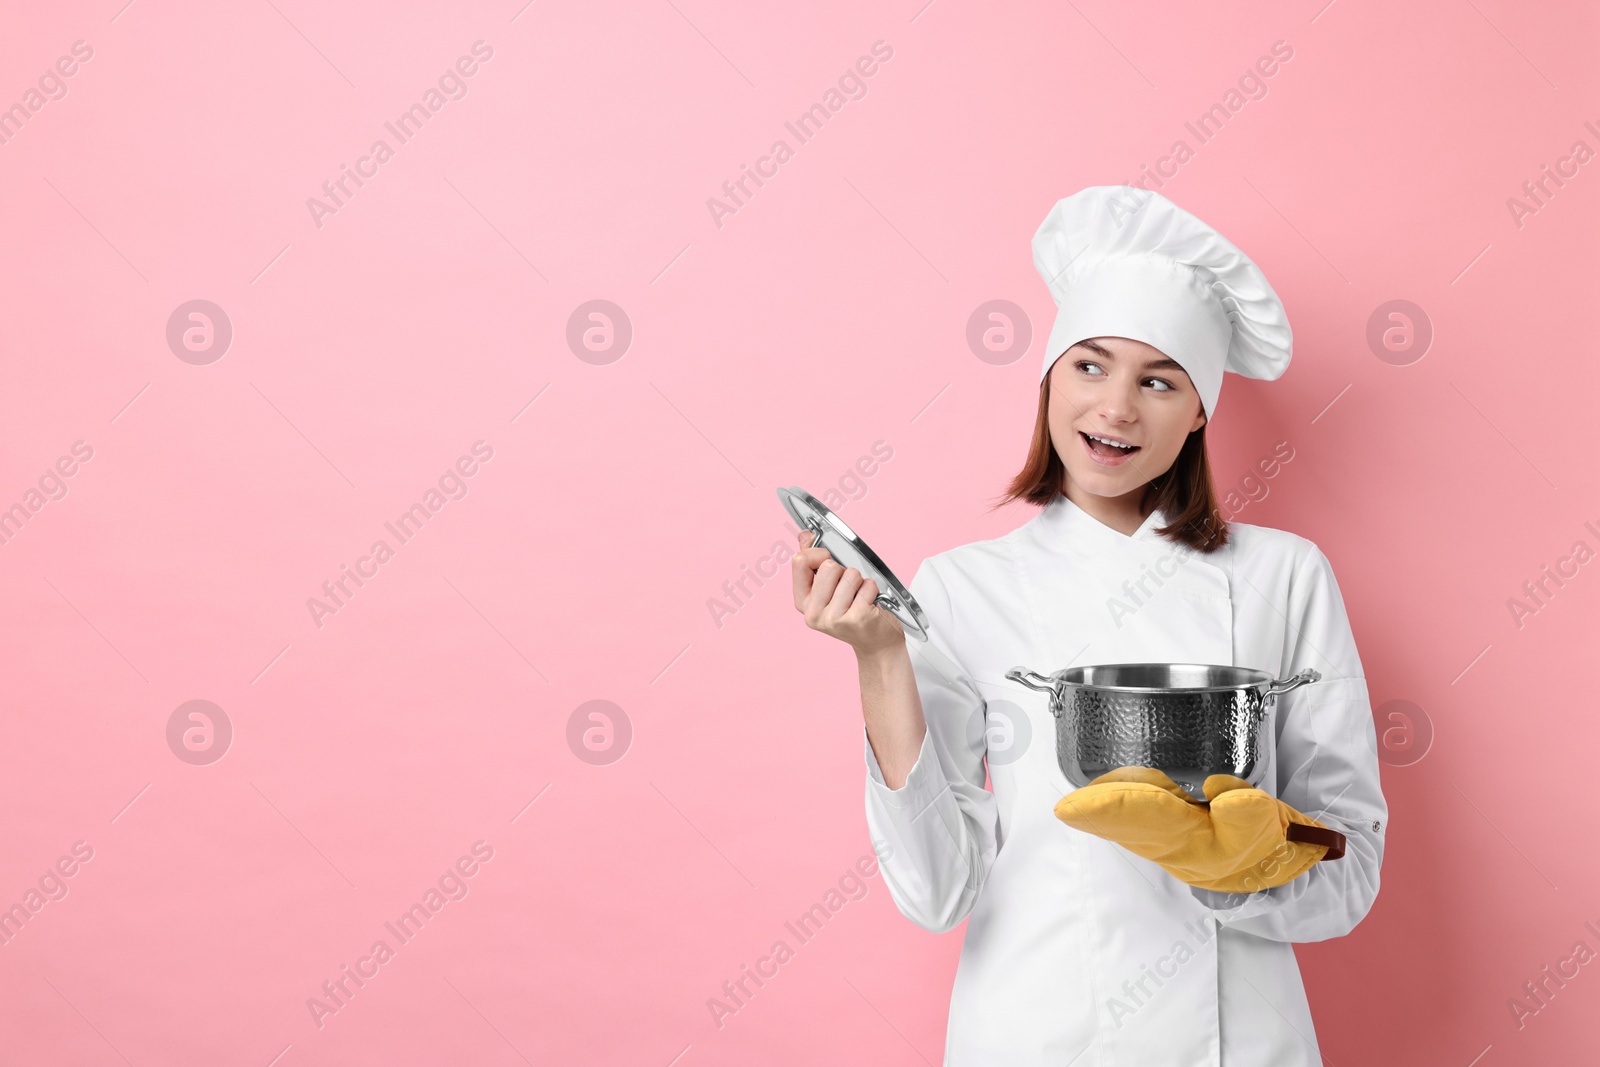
point(1108, 483)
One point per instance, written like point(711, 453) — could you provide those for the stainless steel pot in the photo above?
point(1189, 720)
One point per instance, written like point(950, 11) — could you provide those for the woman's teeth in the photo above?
point(1109, 448)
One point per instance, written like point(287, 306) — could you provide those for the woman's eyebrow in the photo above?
point(1163, 364)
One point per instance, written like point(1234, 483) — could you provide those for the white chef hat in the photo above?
point(1128, 262)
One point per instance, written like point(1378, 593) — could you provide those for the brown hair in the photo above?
point(1183, 492)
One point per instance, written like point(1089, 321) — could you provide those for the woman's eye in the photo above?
point(1165, 385)
point(1083, 364)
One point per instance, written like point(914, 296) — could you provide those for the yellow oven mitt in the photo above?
point(1241, 841)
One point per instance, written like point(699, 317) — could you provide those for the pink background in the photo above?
point(828, 313)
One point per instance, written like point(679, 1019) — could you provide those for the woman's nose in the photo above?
point(1119, 401)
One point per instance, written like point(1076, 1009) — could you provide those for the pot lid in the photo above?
point(848, 550)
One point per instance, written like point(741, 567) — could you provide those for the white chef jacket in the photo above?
point(1077, 951)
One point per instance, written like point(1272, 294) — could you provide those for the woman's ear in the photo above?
point(1199, 420)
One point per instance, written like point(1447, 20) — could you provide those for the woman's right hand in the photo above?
point(839, 602)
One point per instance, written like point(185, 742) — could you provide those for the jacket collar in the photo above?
point(1063, 529)
point(1063, 523)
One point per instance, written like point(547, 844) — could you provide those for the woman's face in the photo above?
point(1130, 392)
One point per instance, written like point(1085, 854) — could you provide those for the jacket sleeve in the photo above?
point(1327, 768)
point(936, 835)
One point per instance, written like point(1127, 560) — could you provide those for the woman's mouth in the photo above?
point(1105, 453)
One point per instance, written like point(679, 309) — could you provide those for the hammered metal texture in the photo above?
point(1187, 735)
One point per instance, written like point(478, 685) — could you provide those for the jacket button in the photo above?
point(1377, 827)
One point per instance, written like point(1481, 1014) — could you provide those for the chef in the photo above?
point(1079, 949)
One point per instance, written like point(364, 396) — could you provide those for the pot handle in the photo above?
point(1023, 675)
point(1283, 685)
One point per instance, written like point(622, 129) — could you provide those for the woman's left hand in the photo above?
point(1239, 840)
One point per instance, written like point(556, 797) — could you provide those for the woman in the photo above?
point(1078, 950)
